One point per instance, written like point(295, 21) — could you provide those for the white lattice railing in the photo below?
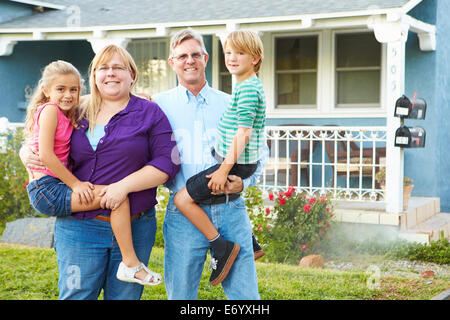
point(342, 161)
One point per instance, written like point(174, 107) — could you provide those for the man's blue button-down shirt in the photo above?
point(194, 123)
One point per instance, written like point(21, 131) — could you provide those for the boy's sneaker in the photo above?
point(221, 265)
point(257, 250)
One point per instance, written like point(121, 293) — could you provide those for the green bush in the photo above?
point(294, 227)
point(436, 251)
point(14, 201)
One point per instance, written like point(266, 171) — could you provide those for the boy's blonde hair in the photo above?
point(186, 34)
point(92, 107)
point(50, 73)
point(247, 41)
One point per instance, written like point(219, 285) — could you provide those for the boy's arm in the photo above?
point(219, 177)
point(261, 164)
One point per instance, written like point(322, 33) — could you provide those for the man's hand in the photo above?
point(30, 158)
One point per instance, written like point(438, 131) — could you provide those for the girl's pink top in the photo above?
point(63, 133)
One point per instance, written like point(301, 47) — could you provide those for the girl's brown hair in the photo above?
point(49, 74)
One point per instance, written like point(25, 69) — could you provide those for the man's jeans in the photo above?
point(186, 248)
point(88, 257)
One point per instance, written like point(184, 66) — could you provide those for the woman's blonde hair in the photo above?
point(247, 41)
point(92, 107)
point(52, 71)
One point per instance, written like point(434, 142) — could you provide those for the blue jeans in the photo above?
point(186, 248)
point(50, 196)
point(88, 257)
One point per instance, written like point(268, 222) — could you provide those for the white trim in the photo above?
point(41, 4)
point(6, 47)
point(305, 21)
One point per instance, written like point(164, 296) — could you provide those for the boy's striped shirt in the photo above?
point(247, 109)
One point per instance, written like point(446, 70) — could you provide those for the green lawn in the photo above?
point(31, 273)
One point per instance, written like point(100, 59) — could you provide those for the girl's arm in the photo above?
point(48, 120)
point(219, 177)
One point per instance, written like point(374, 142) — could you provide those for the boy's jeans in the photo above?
point(186, 248)
point(88, 257)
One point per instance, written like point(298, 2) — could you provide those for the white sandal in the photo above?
point(127, 274)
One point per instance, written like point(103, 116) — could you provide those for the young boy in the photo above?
point(238, 147)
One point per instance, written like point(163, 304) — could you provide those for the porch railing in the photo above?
point(341, 161)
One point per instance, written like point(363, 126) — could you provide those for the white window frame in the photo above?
point(296, 106)
point(326, 82)
point(269, 80)
point(361, 108)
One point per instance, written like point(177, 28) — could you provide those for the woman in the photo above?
point(123, 142)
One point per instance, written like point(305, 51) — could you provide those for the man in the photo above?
point(194, 109)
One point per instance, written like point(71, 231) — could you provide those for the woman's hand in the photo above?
point(112, 196)
point(84, 191)
point(30, 158)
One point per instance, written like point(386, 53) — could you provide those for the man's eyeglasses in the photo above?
point(183, 57)
point(115, 68)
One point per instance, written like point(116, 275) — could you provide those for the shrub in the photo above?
point(14, 201)
point(436, 251)
point(295, 226)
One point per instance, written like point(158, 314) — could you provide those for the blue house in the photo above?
point(333, 71)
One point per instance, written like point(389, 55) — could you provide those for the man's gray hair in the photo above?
point(186, 34)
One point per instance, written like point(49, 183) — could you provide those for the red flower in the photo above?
point(303, 247)
point(307, 207)
point(312, 200)
point(282, 201)
point(288, 194)
point(323, 199)
point(271, 196)
point(291, 189)
point(267, 210)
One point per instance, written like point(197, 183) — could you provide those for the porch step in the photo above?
point(429, 230)
point(420, 209)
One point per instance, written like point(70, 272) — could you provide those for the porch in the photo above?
point(342, 162)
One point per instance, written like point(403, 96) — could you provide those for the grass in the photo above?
point(28, 273)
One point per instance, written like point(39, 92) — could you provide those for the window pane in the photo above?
point(296, 88)
point(222, 67)
point(296, 53)
point(357, 50)
point(150, 57)
point(225, 83)
point(358, 86)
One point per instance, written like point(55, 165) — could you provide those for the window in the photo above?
point(225, 83)
point(150, 56)
point(296, 71)
point(358, 70)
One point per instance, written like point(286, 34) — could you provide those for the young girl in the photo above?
point(237, 149)
point(55, 191)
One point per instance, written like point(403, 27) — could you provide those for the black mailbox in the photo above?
point(410, 137)
point(405, 108)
